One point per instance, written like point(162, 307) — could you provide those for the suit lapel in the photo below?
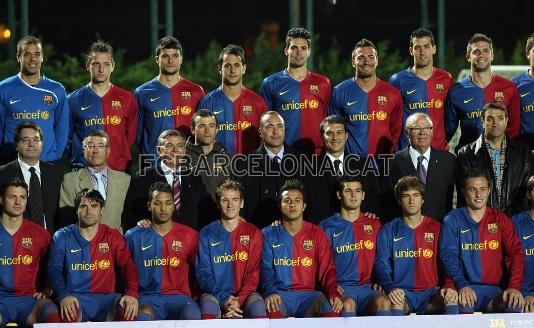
point(85, 179)
point(406, 162)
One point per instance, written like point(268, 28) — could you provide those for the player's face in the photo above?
point(273, 131)
point(169, 61)
point(96, 151)
point(292, 205)
point(365, 62)
point(172, 151)
point(30, 59)
point(411, 201)
point(230, 204)
point(14, 201)
point(351, 196)
point(232, 70)
point(161, 207)
point(530, 57)
point(494, 122)
point(476, 192)
point(420, 134)
point(89, 212)
point(205, 130)
point(100, 67)
point(530, 197)
point(422, 52)
point(30, 145)
point(334, 138)
point(297, 53)
point(480, 56)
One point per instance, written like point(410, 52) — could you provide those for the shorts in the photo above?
point(418, 300)
point(298, 303)
point(16, 308)
point(361, 294)
point(485, 294)
point(96, 307)
point(169, 307)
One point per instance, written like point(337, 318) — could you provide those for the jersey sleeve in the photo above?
point(383, 271)
point(395, 125)
point(72, 105)
point(251, 278)
point(451, 117)
point(140, 118)
point(514, 113)
point(131, 121)
point(268, 275)
point(326, 267)
point(62, 123)
point(55, 266)
point(204, 270)
point(123, 259)
point(266, 92)
point(449, 251)
point(513, 253)
point(332, 105)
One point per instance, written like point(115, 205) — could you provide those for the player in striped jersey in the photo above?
point(525, 86)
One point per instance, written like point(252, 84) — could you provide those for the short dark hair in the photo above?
point(159, 187)
point(27, 125)
point(28, 39)
point(364, 43)
point(97, 133)
point(422, 33)
point(346, 179)
point(228, 184)
point(12, 182)
point(232, 49)
point(407, 183)
point(332, 119)
point(474, 173)
point(90, 194)
point(203, 113)
point(293, 184)
point(530, 43)
point(298, 33)
point(478, 37)
point(169, 133)
point(494, 105)
point(99, 46)
point(169, 42)
point(530, 186)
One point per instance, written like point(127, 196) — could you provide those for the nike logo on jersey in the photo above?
point(398, 238)
point(215, 244)
point(409, 92)
point(75, 250)
point(11, 102)
point(338, 234)
point(467, 100)
point(527, 237)
point(85, 107)
point(277, 245)
point(154, 99)
point(144, 248)
point(464, 231)
point(281, 93)
point(218, 112)
point(524, 94)
point(350, 103)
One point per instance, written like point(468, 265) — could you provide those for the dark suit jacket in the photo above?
point(195, 208)
point(51, 177)
point(439, 186)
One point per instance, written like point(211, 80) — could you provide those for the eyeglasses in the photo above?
point(93, 147)
point(178, 146)
point(419, 130)
point(28, 139)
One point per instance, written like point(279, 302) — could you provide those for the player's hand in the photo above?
point(144, 223)
point(513, 298)
point(336, 304)
point(528, 306)
point(69, 307)
point(378, 287)
point(450, 296)
point(273, 302)
point(276, 223)
point(371, 215)
point(467, 297)
point(340, 289)
point(130, 306)
point(38, 295)
point(396, 296)
point(232, 308)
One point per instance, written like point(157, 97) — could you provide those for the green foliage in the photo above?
point(389, 61)
point(336, 66)
point(518, 55)
point(203, 69)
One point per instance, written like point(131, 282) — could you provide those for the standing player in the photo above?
point(23, 261)
point(164, 255)
point(424, 87)
point(466, 98)
point(525, 85)
point(371, 107)
point(101, 105)
point(168, 101)
point(352, 236)
point(31, 96)
point(228, 263)
point(82, 265)
point(238, 109)
point(297, 258)
point(299, 95)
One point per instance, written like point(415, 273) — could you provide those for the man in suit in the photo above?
point(172, 167)
point(434, 167)
point(96, 175)
point(44, 179)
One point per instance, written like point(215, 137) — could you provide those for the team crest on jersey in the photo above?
point(499, 95)
point(116, 104)
point(382, 100)
point(244, 240)
point(186, 95)
point(439, 87)
point(314, 89)
point(103, 247)
point(26, 242)
point(48, 100)
point(429, 237)
point(368, 229)
point(308, 244)
point(492, 227)
point(247, 109)
point(176, 245)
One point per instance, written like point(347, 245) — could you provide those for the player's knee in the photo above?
point(208, 298)
point(145, 313)
point(48, 311)
point(209, 307)
point(349, 304)
point(382, 303)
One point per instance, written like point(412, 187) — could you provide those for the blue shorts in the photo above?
point(418, 300)
point(485, 294)
point(169, 307)
point(361, 294)
point(96, 307)
point(16, 308)
point(298, 303)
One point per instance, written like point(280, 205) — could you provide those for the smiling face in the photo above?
point(334, 138)
point(30, 59)
point(89, 212)
point(365, 61)
point(476, 191)
point(297, 52)
point(230, 204)
point(480, 56)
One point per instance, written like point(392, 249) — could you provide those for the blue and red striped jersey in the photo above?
point(80, 266)
point(424, 96)
point(353, 246)
point(300, 262)
point(164, 263)
point(22, 258)
point(525, 86)
point(473, 253)
point(228, 263)
point(524, 227)
point(239, 120)
point(374, 118)
point(115, 113)
point(302, 104)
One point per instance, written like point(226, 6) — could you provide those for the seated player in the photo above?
point(297, 258)
point(164, 254)
point(228, 262)
point(23, 261)
point(407, 257)
point(524, 226)
point(475, 240)
point(352, 236)
point(83, 258)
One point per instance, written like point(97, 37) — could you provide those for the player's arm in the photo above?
point(204, 268)
point(383, 271)
point(449, 251)
point(513, 253)
point(333, 107)
point(451, 116)
point(268, 275)
point(43, 285)
point(266, 92)
point(514, 114)
point(326, 267)
point(72, 105)
point(395, 123)
point(251, 278)
point(56, 264)
point(61, 122)
point(123, 259)
point(131, 121)
point(140, 118)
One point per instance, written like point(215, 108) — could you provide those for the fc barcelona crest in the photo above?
point(439, 87)
point(176, 245)
point(103, 247)
point(382, 100)
point(492, 227)
point(314, 89)
point(48, 100)
point(247, 109)
point(116, 104)
point(368, 229)
point(499, 95)
point(186, 95)
point(429, 237)
point(26, 242)
point(244, 240)
point(308, 244)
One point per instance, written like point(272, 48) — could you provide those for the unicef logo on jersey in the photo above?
point(106, 120)
point(38, 115)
